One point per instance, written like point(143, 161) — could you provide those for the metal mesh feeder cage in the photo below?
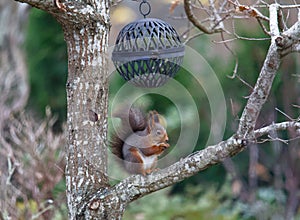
point(148, 52)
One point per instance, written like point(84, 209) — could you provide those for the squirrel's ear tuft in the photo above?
point(151, 121)
point(153, 117)
point(156, 118)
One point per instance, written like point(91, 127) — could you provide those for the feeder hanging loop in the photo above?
point(147, 10)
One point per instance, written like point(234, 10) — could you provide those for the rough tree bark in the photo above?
point(86, 27)
point(87, 93)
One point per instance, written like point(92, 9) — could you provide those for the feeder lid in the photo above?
point(147, 38)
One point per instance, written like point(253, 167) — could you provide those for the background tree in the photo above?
point(29, 151)
point(86, 34)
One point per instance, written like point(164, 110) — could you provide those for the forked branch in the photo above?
point(137, 186)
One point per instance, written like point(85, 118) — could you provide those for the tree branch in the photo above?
point(73, 11)
point(46, 5)
point(274, 27)
point(260, 93)
point(249, 10)
point(195, 21)
point(137, 186)
point(277, 127)
point(263, 85)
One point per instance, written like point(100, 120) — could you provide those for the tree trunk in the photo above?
point(14, 88)
point(87, 100)
point(86, 28)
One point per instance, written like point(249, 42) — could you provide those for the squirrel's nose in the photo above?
point(167, 139)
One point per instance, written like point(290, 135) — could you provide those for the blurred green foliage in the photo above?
point(195, 203)
point(47, 62)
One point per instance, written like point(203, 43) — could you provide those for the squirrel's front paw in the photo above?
point(164, 145)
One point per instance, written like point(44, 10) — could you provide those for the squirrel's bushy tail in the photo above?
point(137, 122)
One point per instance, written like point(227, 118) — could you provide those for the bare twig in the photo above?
point(193, 37)
point(281, 23)
point(277, 127)
point(286, 115)
point(234, 55)
point(289, 6)
point(214, 15)
point(250, 11)
point(218, 21)
point(263, 27)
point(192, 18)
point(244, 82)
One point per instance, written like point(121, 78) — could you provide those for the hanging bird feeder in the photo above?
point(148, 51)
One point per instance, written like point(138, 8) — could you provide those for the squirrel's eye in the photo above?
point(158, 132)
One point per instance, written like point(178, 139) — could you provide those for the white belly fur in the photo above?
point(148, 161)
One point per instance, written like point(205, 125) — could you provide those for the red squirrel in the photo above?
point(140, 145)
